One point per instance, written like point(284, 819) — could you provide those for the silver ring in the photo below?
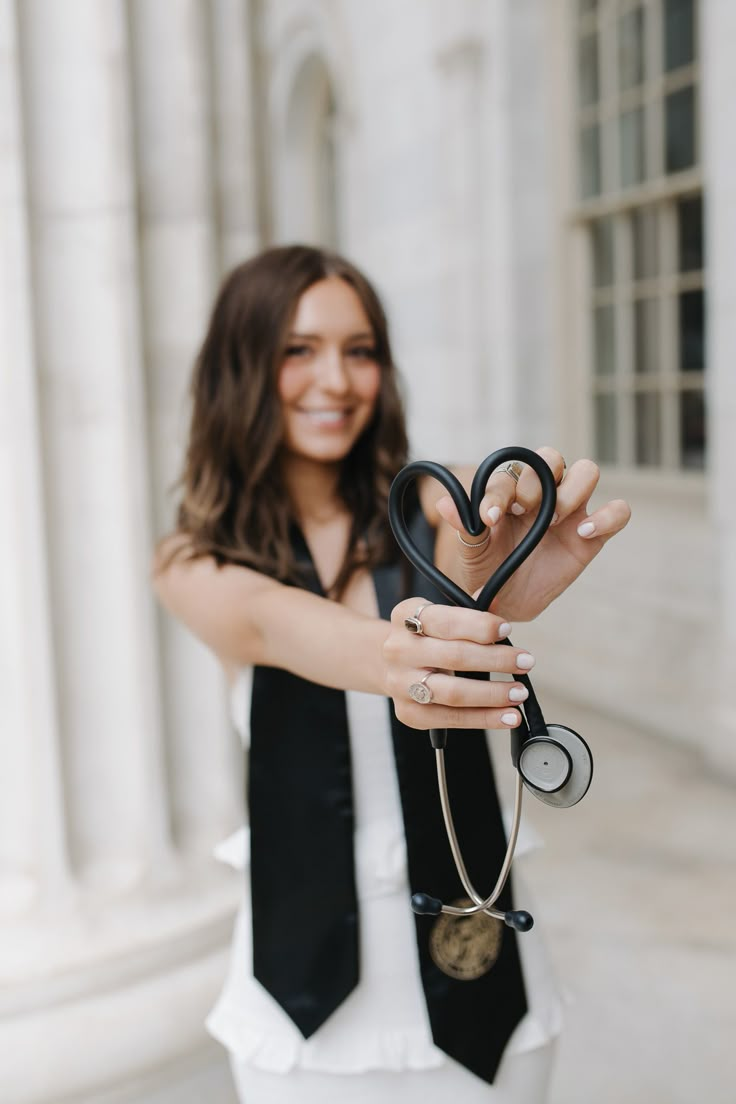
point(414, 624)
point(514, 468)
point(477, 544)
point(420, 692)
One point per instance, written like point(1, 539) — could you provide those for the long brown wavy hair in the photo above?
point(234, 504)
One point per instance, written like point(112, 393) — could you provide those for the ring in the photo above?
point(420, 692)
point(477, 544)
point(514, 468)
point(413, 624)
point(564, 470)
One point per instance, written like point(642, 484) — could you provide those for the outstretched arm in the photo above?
point(247, 618)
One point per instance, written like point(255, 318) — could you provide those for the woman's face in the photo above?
point(329, 378)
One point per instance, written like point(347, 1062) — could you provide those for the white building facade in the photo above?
point(545, 193)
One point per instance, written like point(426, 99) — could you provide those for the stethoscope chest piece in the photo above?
point(558, 770)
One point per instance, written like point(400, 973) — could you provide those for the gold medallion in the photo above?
point(465, 947)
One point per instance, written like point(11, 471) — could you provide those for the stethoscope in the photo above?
point(552, 761)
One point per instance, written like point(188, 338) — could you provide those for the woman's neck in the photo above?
point(312, 488)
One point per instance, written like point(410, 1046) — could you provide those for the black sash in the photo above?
point(305, 913)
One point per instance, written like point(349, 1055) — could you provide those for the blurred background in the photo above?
point(544, 194)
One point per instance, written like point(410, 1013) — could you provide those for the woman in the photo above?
point(284, 564)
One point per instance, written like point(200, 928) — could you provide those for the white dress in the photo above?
point(378, 1043)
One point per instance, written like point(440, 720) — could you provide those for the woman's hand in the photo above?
point(508, 510)
point(453, 639)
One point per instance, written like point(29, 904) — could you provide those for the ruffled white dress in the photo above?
point(378, 1044)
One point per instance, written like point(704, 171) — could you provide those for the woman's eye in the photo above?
point(363, 352)
point(297, 350)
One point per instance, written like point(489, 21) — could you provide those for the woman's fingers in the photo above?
point(440, 716)
point(453, 690)
point(606, 522)
point(451, 622)
point(504, 494)
point(576, 488)
point(452, 639)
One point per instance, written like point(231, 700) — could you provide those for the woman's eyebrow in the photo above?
point(362, 335)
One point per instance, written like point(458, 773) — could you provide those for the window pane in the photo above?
point(588, 70)
point(692, 429)
point(605, 360)
point(645, 242)
point(646, 336)
point(679, 33)
point(631, 126)
point(692, 332)
point(605, 428)
point(680, 130)
point(648, 436)
point(590, 161)
point(690, 234)
point(631, 49)
point(602, 239)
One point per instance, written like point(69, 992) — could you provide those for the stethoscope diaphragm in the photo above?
point(558, 770)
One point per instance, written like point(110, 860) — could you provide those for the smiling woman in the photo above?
point(284, 563)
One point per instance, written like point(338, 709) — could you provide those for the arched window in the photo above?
point(307, 168)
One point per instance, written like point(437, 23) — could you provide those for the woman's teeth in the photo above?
point(326, 417)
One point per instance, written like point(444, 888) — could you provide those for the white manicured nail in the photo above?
point(555, 518)
point(519, 693)
point(525, 661)
point(494, 514)
point(517, 508)
point(504, 630)
point(510, 719)
point(586, 529)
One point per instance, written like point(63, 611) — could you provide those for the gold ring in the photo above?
point(414, 624)
point(420, 692)
point(514, 468)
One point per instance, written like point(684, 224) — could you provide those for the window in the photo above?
point(640, 205)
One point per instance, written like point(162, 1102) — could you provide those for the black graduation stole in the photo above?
point(305, 911)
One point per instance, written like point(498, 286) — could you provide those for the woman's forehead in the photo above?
point(331, 306)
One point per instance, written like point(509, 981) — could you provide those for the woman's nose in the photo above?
point(333, 375)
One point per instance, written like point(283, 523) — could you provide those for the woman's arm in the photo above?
point(247, 618)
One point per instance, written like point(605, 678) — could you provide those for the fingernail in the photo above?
point(525, 661)
point(555, 518)
point(494, 513)
point(518, 693)
point(586, 529)
point(504, 630)
point(511, 719)
point(517, 508)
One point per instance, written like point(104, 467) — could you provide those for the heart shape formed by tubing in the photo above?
point(469, 508)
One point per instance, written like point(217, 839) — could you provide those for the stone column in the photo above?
point(94, 439)
point(467, 383)
point(179, 273)
point(234, 111)
point(111, 941)
point(33, 856)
